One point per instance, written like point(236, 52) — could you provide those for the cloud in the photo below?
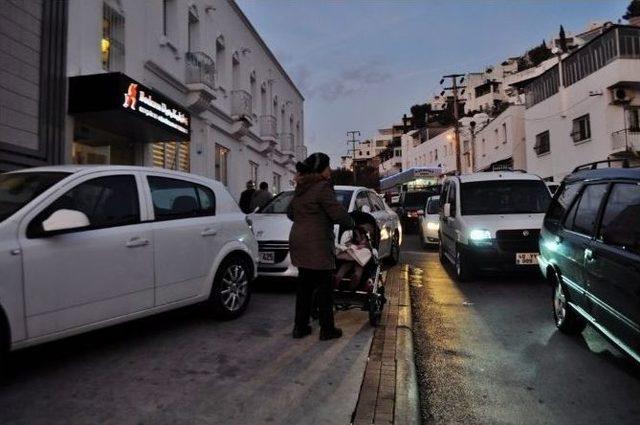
point(345, 82)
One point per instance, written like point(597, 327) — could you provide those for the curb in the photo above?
point(407, 405)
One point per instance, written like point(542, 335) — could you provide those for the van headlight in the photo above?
point(433, 225)
point(480, 236)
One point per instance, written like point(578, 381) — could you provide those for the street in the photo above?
point(185, 368)
point(487, 352)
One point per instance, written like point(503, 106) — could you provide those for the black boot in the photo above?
point(301, 332)
point(326, 334)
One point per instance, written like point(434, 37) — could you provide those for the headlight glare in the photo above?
point(479, 235)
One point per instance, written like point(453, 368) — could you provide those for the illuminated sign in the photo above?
point(121, 102)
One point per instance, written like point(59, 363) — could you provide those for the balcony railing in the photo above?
point(268, 126)
point(627, 139)
point(286, 143)
point(240, 104)
point(200, 69)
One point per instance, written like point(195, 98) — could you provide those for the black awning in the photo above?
point(120, 104)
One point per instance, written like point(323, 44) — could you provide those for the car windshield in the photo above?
point(415, 199)
point(279, 204)
point(433, 206)
point(18, 189)
point(504, 197)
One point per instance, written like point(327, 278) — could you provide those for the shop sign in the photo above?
point(138, 99)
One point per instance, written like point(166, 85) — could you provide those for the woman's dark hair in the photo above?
point(315, 163)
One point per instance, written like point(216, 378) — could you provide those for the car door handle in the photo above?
point(209, 231)
point(137, 241)
point(588, 255)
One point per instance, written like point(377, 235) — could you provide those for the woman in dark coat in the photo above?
point(314, 210)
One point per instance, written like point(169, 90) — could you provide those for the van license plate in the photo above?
point(267, 257)
point(527, 258)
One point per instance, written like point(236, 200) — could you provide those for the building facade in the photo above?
point(32, 83)
point(587, 107)
point(436, 153)
point(187, 85)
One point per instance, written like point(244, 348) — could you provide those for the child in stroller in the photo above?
point(354, 251)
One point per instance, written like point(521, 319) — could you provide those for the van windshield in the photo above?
point(18, 189)
point(504, 197)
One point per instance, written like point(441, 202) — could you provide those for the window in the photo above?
point(542, 87)
point(543, 143)
point(621, 218)
point(174, 199)
point(496, 137)
point(436, 154)
point(277, 178)
point(253, 172)
point(376, 202)
point(633, 118)
point(451, 199)
point(584, 213)
point(504, 133)
point(484, 148)
point(504, 197)
point(172, 156)
point(560, 204)
point(112, 43)
point(222, 159)
point(279, 204)
point(169, 14)
point(193, 40)
point(17, 190)
point(220, 60)
point(581, 129)
point(106, 201)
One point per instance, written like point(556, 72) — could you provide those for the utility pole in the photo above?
point(353, 142)
point(456, 127)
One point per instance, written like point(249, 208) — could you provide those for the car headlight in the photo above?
point(480, 235)
point(433, 225)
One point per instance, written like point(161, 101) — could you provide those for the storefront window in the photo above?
point(171, 155)
point(222, 158)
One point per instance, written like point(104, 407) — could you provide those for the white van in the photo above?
point(492, 221)
point(87, 247)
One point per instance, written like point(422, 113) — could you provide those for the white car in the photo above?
point(272, 226)
point(430, 222)
point(492, 221)
point(87, 247)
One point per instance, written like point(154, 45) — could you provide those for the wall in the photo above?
point(415, 155)
point(500, 148)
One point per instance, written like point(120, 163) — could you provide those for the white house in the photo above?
point(437, 152)
point(587, 107)
point(184, 84)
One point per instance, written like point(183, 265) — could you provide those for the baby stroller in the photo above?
point(368, 293)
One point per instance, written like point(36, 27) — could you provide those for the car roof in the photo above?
point(497, 175)
point(604, 174)
point(86, 169)
point(344, 187)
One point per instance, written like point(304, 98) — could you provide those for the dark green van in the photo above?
point(590, 252)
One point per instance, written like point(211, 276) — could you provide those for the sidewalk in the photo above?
point(389, 393)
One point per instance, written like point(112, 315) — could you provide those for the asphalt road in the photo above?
point(487, 352)
point(185, 368)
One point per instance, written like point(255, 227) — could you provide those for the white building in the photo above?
point(437, 152)
point(230, 111)
point(587, 108)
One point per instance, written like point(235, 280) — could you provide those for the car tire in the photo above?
point(441, 256)
point(567, 320)
point(231, 292)
point(394, 254)
point(462, 266)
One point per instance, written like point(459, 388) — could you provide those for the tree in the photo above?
point(419, 114)
point(563, 40)
point(342, 176)
point(539, 54)
point(633, 9)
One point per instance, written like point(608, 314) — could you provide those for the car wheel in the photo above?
point(394, 255)
point(230, 293)
point(463, 271)
point(566, 319)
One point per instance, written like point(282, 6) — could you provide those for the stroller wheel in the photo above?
point(375, 309)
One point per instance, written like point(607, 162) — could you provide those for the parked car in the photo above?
point(491, 221)
point(87, 247)
point(430, 222)
point(553, 187)
point(272, 226)
point(411, 207)
point(590, 252)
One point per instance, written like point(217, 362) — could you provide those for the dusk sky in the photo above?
point(362, 64)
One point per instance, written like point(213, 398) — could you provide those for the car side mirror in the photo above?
point(446, 211)
point(65, 219)
point(365, 209)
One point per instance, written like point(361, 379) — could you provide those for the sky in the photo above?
point(361, 64)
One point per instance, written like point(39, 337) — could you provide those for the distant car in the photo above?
point(411, 207)
point(590, 252)
point(490, 221)
point(272, 226)
point(87, 247)
point(430, 222)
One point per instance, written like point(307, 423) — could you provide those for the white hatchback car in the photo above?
point(272, 228)
point(86, 247)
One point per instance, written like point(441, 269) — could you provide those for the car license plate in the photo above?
point(267, 257)
point(527, 258)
